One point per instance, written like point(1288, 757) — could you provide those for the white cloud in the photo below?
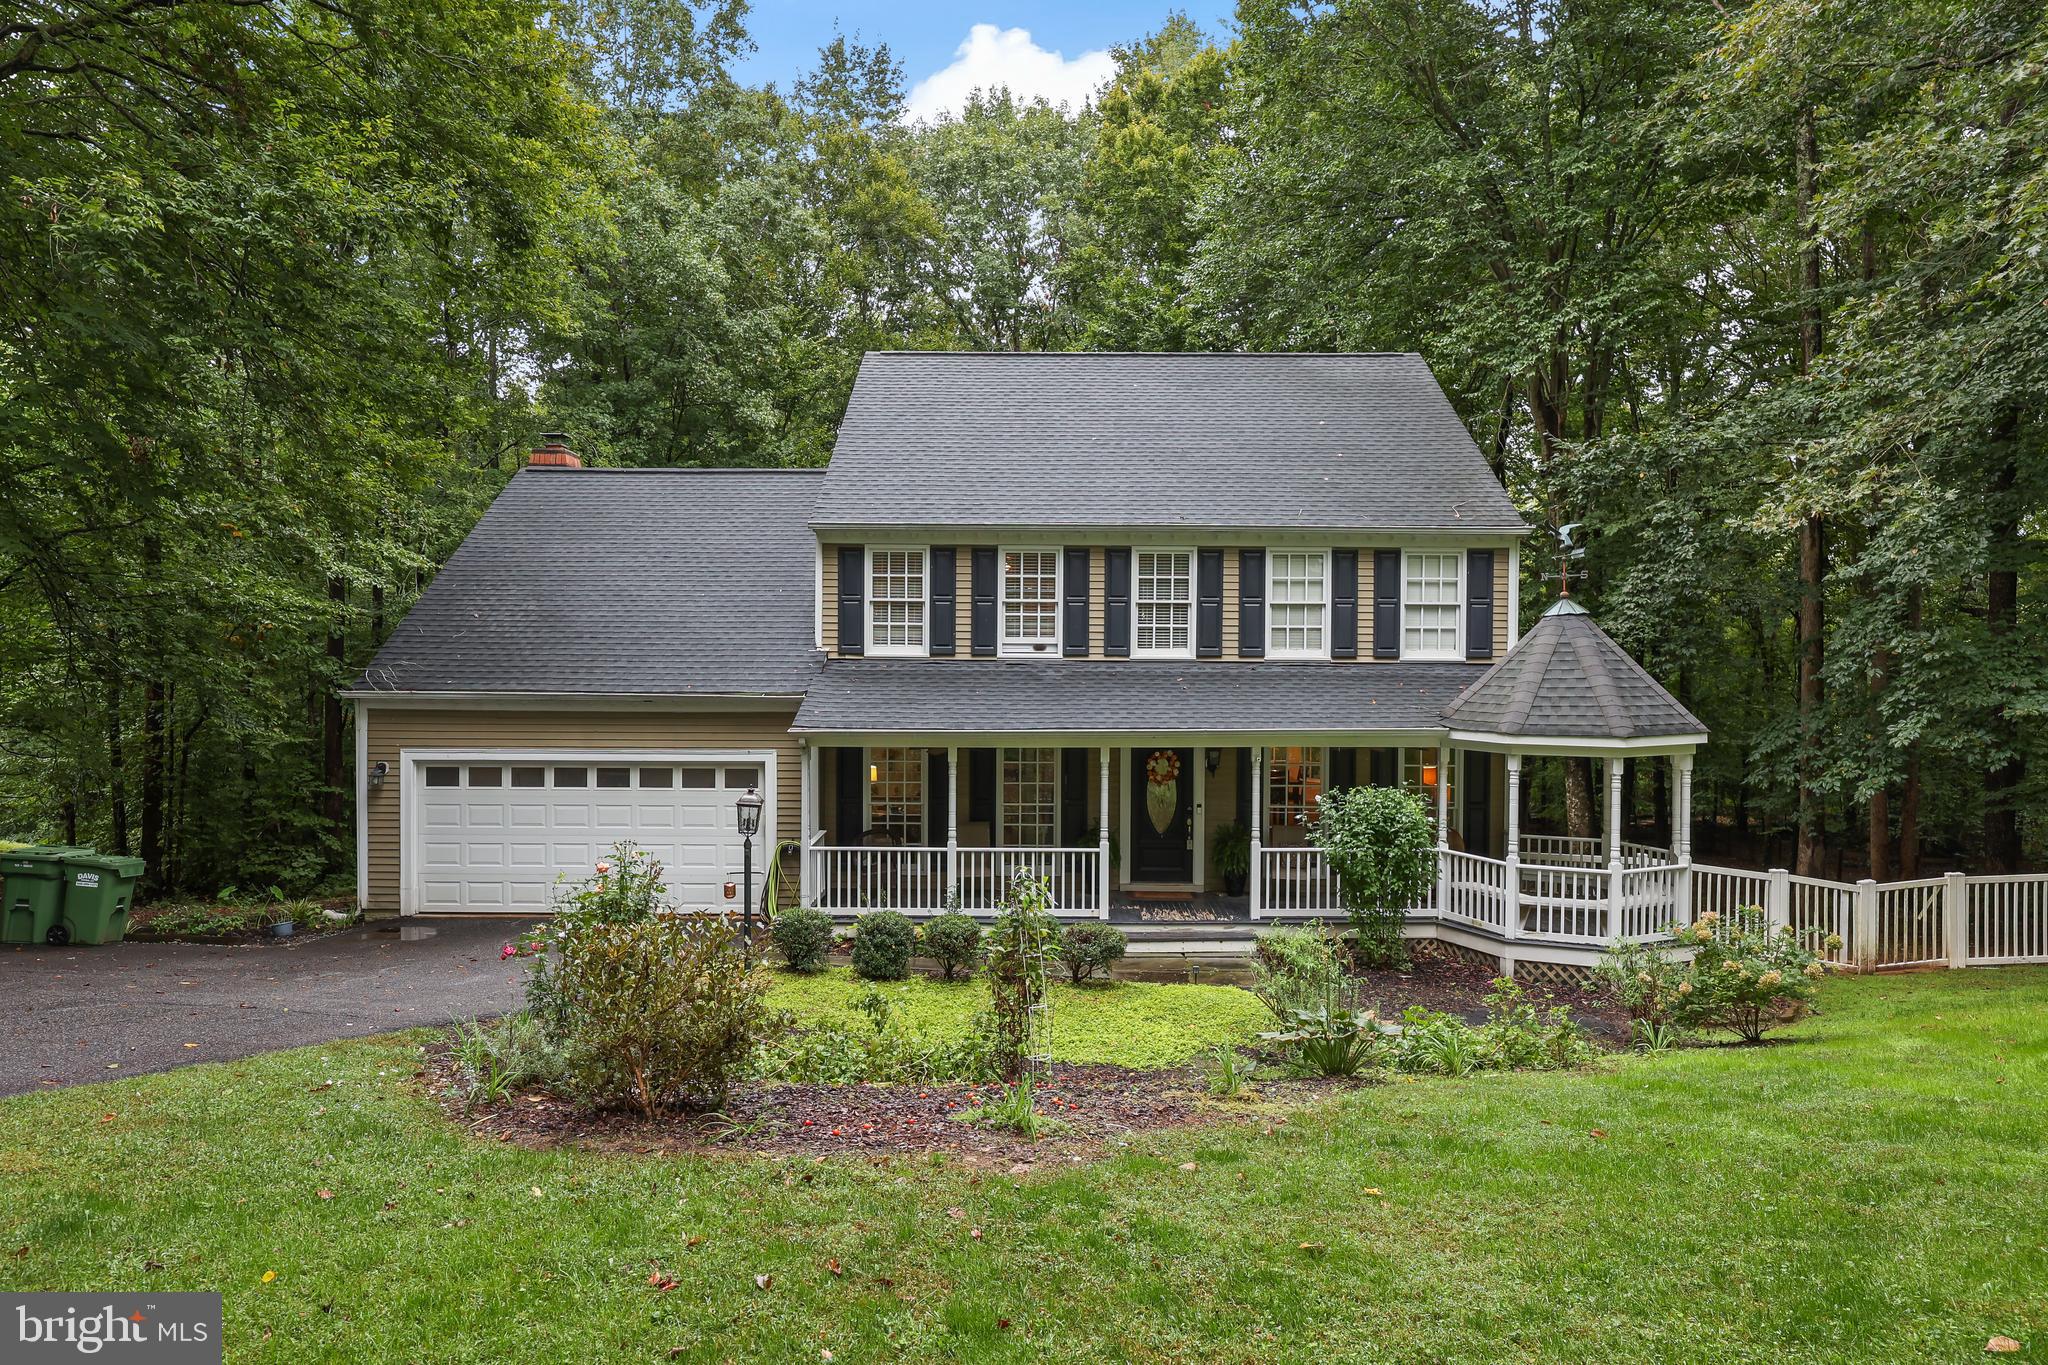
point(994, 56)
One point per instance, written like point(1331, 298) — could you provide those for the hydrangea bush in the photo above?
point(1730, 972)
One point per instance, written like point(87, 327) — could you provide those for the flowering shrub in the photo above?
point(625, 887)
point(804, 937)
point(1086, 949)
point(1641, 978)
point(882, 944)
point(1741, 976)
point(1382, 845)
point(953, 940)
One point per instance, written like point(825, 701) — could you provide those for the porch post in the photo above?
point(1258, 823)
point(953, 822)
point(1614, 768)
point(1681, 823)
point(1514, 807)
point(1443, 797)
point(807, 799)
point(1102, 814)
point(1511, 876)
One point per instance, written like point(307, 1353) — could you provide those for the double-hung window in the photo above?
point(1420, 773)
point(1429, 605)
point(896, 793)
point(1030, 805)
point(1031, 601)
point(896, 601)
point(1162, 605)
point(1298, 604)
point(1294, 780)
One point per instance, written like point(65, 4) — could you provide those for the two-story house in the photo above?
point(1070, 612)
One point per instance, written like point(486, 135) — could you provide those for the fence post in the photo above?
point(1511, 898)
point(1681, 891)
point(1778, 899)
point(1955, 917)
point(1863, 934)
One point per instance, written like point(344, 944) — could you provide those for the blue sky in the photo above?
point(927, 36)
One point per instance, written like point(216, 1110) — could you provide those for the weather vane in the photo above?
point(1567, 554)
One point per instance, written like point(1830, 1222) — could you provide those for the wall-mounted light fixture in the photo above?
point(378, 772)
point(1212, 760)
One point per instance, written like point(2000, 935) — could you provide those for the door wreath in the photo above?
point(1162, 788)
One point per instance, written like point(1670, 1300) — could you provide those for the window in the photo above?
point(896, 793)
point(1030, 804)
point(1413, 761)
point(740, 779)
point(697, 778)
point(1162, 603)
point(1297, 603)
point(1031, 601)
point(614, 777)
point(444, 777)
point(572, 777)
point(1294, 779)
point(896, 604)
point(657, 777)
point(486, 777)
point(1429, 605)
point(529, 777)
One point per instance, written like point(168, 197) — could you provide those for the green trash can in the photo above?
point(99, 889)
point(32, 892)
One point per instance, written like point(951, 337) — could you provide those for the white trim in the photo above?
point(1514, 593)
point(1031, 649)
point(988, 533)
point(1198, 820)
point(1189, 651)
point(1456, 653)
point(995, 825)
point(818, 592)
point(1573, 746)
point(1272, 560)
point(924, 782)
point(363, 808)
point(587, 701)
point(410, 761)
point(920, 650)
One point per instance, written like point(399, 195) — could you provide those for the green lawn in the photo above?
point(1872, 1190)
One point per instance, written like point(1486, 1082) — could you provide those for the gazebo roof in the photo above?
point(1567, 680)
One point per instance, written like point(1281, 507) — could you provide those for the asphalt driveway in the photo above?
point(76, 1014)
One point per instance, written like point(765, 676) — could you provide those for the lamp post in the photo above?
point(749, 806)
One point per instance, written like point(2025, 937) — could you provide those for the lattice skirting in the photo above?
point(1452, 952)
point(1556, 977)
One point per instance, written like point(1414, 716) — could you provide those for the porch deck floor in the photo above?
point(1205, 907)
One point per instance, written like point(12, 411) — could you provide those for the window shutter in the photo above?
point(1116, 601)
point(981, 786)
point(1074, 792)
point(1343, 769)
point(1386, 604)
point(1343, 604)
point(983, 608)
point(1386, 767)
point(853, 604)
point(1476, 773)
point(1209, 604)
point(852, 798)
point(944, 602)
point(1251, 604)
point(1074, 625)
point(938, 795)
point(1479, 604)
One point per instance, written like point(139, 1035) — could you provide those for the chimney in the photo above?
point(554, 450)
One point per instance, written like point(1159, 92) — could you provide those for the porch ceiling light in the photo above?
point(750, 813)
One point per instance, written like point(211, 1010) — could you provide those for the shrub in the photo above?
point(1642, 979)
point(1436, 1043)
point(625, 887)
point(1230, 853)
point(1086, 949)
point(1296, 969)
point(953, 940)
point(883, 1051)
point(1227, 1075)
point(1519, 1035)
point(804, 938)
point(1742, 977)
point(495, 1059)
point(657, 1012)
point(1328, 1040)
point(1021, 943)
point(1015, 1111)
point(882, 944)
point(1382, 845)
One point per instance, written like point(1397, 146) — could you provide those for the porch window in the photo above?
point(1413, 761)
point(896, 601)
point(1429, 606)
point(1298, 586)
point(1162, 602)
point(1031, 601)
point(896, 793)
point(1030, 805)
point(1294, 779)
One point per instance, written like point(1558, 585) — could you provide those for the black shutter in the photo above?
point(853, 581)
point(1116, 601)
point(1477, 779)
point(983, 608)
point(1074, 803)
point(938, 796)
point(1343, 604)
point(1209, 604)
point(851, 822)
point(1251, 604)
point(1343, 769)
point(981, 785)
point(1386, 604)
point(1479, 604)
point(1386, 767)
point(1074, 628)
point(945, 603)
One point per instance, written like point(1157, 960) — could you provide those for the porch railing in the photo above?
point(1570, 850)
point(930, 881)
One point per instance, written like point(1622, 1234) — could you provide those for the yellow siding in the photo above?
point(394, 729)
point(830, 601)
point(1501, 624)
point(1230, 582)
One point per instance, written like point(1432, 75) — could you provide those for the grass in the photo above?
point(1132, 1023)
point(1868, 1191)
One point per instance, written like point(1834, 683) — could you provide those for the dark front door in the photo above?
point(1162, 815)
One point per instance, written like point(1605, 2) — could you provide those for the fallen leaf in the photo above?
point(1599, 1133)
point(832, 1264)
point(106, 1118)
point(2001, 1346)
point(1003, 1324)
point(324, 1085)
point(694, 1241)
point(269, 1275)
point(956, 1213)
point(764, 1282)
point(1374, 1192)
point(536, 1191)
point(325, 1194)
point(975, 1233)
point(191, 1045)
point(1187, 1165)
point(1316, 1248)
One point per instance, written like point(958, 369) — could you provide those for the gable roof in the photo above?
point(1568, 679)
point(620, 582)
point(1233, 440)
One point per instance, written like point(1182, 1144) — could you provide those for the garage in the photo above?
point(493, 831)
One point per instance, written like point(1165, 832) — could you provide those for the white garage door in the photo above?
point(493, 833)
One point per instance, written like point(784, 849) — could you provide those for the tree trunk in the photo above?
point(376, 615)
point(334, 773)
point(1812, 531)
point(1909, 788)
point(1578, 797)
point(2007, 766)
point(155, 744)
point(117, 781)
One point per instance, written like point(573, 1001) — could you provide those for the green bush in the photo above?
point(1086, 949)
point(1021, 943)
point(1519, 1035)
point(1382, 844)
point(1742, 977)
point(1640, 978)
point(655, 1013)
point(1230, 852)
point(496, 1059)
point(804, 938)
point(1328, 1040)
point(953, 940)
point(625, 886)
point(882, 943)
point(1296, 969)
point(884, 1050)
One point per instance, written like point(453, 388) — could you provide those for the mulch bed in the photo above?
point(1454, 985)
point(1096, 1105)
point(142, 925)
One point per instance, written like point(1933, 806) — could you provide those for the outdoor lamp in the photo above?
point(379, 772)
point(1429, 774)
point(750, 824)
point(750, 813)
point(1212, 760)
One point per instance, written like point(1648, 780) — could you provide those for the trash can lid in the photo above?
point(40, 859)
point(115, 863)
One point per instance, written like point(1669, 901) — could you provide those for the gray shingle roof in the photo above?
point(1105, 440)
point(1567, 679)
point(620, 582)
point(995, 696)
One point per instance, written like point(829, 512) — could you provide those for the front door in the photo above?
point(1162, 815)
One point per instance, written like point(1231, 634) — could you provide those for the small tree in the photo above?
point(1022, 941)
point(1382, 844)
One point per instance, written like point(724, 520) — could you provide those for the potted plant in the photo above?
point(1230, 849)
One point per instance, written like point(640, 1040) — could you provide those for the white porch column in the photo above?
point(1514, 849)
point(953, 822)
point(807, 802)
point(1681, 820)
point(1443, 797)
point(1258, 778)
point(1511, 877)
point(1102, 817)
point(1614, 768)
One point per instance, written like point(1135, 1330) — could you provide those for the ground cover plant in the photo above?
point(1855, 1194)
